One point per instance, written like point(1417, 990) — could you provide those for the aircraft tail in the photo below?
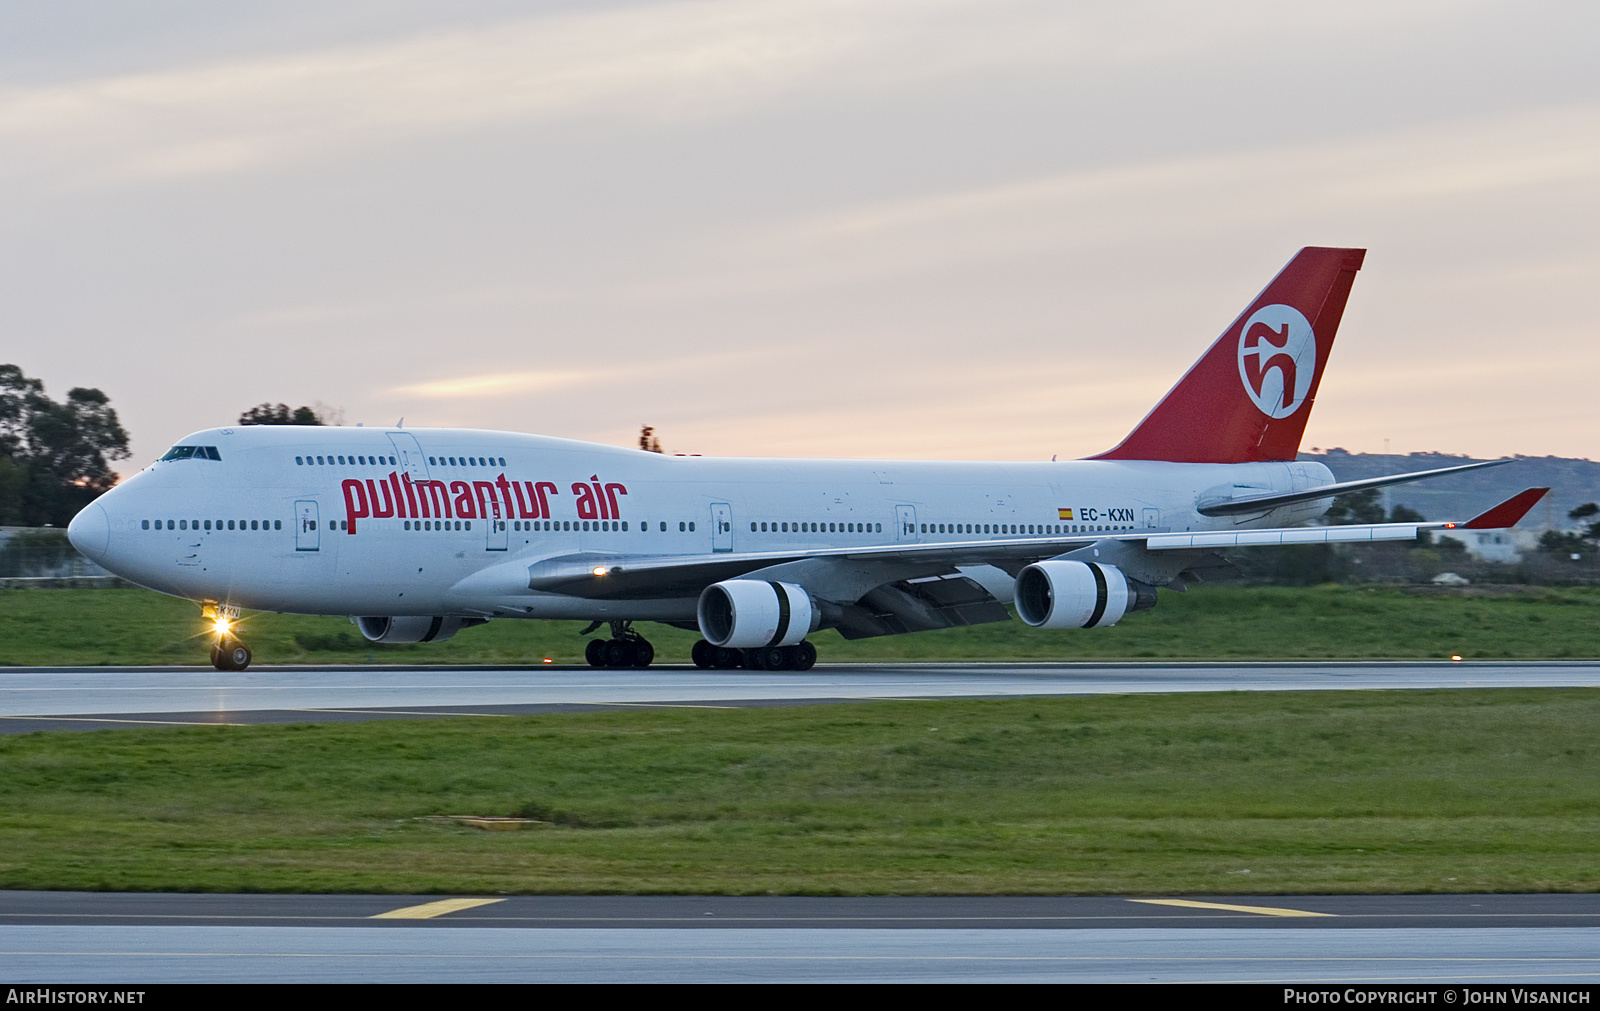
point(1248, 398)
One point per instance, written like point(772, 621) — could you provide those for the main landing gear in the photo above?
point(800, 656)
point(625, 648)
point(228, 651)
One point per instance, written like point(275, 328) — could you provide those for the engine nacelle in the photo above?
point(413, 629)
point(751, 613)
point(1065, 594)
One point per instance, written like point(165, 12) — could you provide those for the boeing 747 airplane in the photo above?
point(419, 533)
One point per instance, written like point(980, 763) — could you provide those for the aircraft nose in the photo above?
point(90, 532)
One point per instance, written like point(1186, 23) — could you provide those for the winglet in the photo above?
point(1507, 513)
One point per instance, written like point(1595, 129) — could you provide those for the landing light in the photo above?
point(222, 626)
point(599, 570)
point(548, 660)
point(1456, 657)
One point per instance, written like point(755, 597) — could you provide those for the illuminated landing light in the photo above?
point(548, 660)
point(1449, 526)
point(1456, 657)
point(222, 626)
point(599, 570)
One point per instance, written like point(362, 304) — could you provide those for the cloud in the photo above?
point(658, 61)
point(492, 384)
point(650, 63)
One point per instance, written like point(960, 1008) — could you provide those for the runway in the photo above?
point(54, 937)
point(1447, 939)
point(33, 698)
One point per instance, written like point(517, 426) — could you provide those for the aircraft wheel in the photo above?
point(704, 655)
point(728, 659)
point(770, 658)
point(619, 653)
point(643, 653)
point(232, 655)
point(595, 652)
point(805, 656)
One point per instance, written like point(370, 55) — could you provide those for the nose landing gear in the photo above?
point(230, 654)
point(625, 648)
point(228, 651)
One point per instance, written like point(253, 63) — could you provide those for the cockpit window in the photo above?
point(193, 453)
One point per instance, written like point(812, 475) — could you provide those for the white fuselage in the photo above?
point(447, 528)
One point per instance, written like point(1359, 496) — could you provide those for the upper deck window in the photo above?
point(193, 453)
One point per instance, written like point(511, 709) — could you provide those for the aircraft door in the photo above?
point(905, 524)
point(306, 535)
point(721, 526)
point(497, 535)
point(410, 451)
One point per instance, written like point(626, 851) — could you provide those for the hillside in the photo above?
point(1572, 483)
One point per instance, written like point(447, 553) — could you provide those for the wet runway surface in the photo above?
point(106, 697)
point(689, 912)
point(160, 938)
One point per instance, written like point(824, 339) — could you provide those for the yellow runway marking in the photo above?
point(1259, 910)
point(428, 910)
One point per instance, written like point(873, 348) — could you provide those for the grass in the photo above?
point(80, 627)
point(1486, 790)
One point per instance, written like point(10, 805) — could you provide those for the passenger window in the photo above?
point(146, 524)
point(277, 524)
point(691, 526)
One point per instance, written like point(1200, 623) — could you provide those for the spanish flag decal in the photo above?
point(1065, 514)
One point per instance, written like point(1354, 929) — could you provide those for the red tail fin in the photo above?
point(1249, 396)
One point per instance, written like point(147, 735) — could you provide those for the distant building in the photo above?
point(1505, 546)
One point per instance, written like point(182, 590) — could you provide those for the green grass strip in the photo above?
point(1405, 791)
point(74, 627)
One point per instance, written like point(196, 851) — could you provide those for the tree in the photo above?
point(280, 414)
point(1574, 544)
point(1356, 507)
point(53, 456)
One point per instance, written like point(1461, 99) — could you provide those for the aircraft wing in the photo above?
point(615, 576)
point(1245, 500)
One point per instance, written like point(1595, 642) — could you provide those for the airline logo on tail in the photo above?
point(1277, 359)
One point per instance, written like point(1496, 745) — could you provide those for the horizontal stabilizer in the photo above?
point(1507, 513)
point(1261, 502)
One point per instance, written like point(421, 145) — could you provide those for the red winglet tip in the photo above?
point(1507, 513)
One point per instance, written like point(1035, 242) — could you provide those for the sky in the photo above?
point(930, 229)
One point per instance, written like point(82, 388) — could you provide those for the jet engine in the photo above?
point(1065, 594)
point(751, 613)
point(423, 629)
